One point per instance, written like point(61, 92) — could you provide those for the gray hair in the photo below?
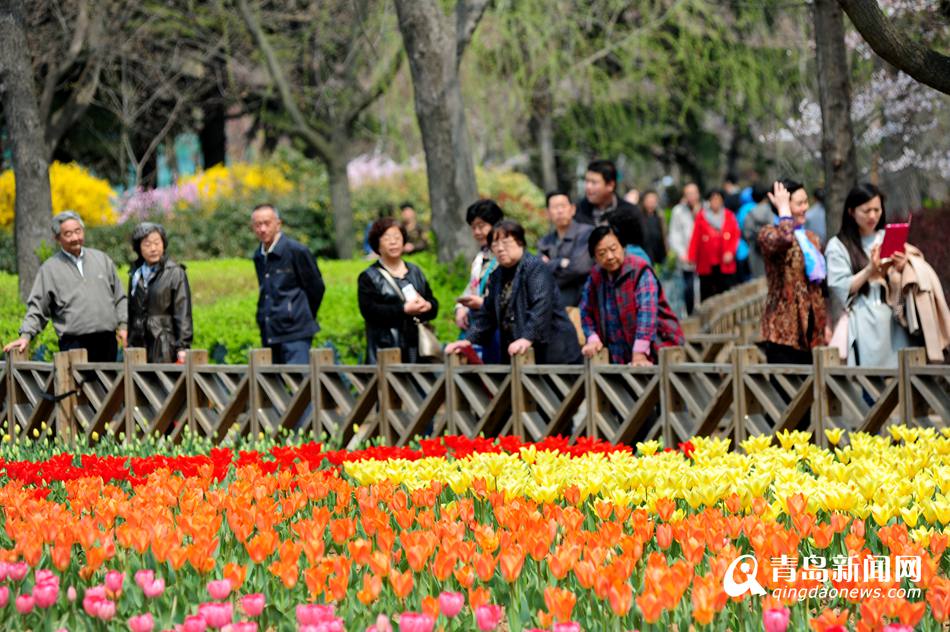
point(65, 216)
point(261, 207)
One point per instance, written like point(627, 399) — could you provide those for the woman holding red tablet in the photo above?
point(857, 281)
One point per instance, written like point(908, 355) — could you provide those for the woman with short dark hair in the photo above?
point(394, 295)
point(159, 298)
point(523, 304)
point(623, 307)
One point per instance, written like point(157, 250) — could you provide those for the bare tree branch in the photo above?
point(377, 86)
point(896, 47)
point(468, 13)
point(319, 143)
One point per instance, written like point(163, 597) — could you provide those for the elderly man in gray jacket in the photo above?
point(78, 289)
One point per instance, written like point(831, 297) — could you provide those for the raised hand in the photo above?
point(781, 199)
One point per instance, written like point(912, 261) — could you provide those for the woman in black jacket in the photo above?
point(394, 295)
point(523, 303)
point(159, 298)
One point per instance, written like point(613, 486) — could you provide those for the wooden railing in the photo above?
point(712, 386)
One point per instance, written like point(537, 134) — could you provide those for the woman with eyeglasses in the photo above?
point(523, 304)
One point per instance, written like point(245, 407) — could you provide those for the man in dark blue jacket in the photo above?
point(291, 290)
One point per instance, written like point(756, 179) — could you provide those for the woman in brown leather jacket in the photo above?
point(159, 298)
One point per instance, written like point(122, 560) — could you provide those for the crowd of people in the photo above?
point(592, 285)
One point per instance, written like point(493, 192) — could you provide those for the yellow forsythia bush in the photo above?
point(72, 188)
point(238, 180)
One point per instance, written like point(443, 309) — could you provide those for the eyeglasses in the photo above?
point(506, 243)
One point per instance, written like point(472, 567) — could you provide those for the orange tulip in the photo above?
point(430, 606)
point(401, 583)
point(650, 606)
point(511, 561)
point(822, 534)
point(664, 536)
point(828, 619)
point(485, 566)
point(938, 596)
point(478, 597)
point(372, 586)
point(665, 508)
point(236, 574)
point(560, 603)
point(465, 576)
point(584, 571)
point(342, 529)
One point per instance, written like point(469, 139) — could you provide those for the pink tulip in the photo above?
point(242, 626)
point(45, 576)
point(142, 623)
point(216, 615)
point(46, 594)
point(332, 625)
point(415, 622)
point(4, 569)
point(24, 604)
point(114, 581)
point(776, 619)
point(488, 617)
point(154, 589)
point(17, 572)
point(314, 614)
point(219, 589)
point(897, 627)
point(450, 603)
point(91, 600)
point(143, 577)
point(106, 610)
point(4, 597)
point(252, 605)
point(568, 626)
point(71, 594)
point(194, 623)
point(382, 624)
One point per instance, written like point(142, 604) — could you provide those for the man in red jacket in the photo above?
point(713, 245)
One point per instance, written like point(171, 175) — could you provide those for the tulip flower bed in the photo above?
point(460, 534)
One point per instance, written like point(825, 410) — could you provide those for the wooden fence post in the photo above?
point(452, 362)
point(193, 359)
point(907, 359)
point(385, 357)
point(591, 396)
point(518, 403)
point(742, 357)
point(668, 357)
point(318, 358)
point(256, 358)
point(821, 407)
point(132, 356)
point(65, 382)
point(12, 358)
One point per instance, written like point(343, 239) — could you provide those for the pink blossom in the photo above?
point(242, 626)
point(114, 581)
point(897, 627)
point(154, 589)
point(4, 569)
point(24, 604)
point(776, 619)
point(91, 600)
point(219, 589)
point(488, 617)
point(17, 572)
point(252, 605)
point(45, 576)
point(46, 594)
point(314, 613)
point(142, 623)
point(193, 623)
point(450, 603)
point(143, 577)
point(382, 624)
point(568, 626)
point(415, 622)
point(333, 625)
point(4, 597)
point(106, 610)
point(71, 594)
point(216, 615)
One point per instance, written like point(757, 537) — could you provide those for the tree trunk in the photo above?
point(343, 236)
point(834, 93)
point(432, 48)
point(543, 129)
point(33, 205)
point(213, 135)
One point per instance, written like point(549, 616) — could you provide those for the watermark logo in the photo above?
point(749, 566)
point(846, 576)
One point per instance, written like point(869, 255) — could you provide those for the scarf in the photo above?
point(815, 268)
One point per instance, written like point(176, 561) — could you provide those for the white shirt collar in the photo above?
point(267, 251)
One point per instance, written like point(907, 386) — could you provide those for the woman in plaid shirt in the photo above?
point(622, 305)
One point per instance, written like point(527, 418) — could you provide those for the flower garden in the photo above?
point(464, 534)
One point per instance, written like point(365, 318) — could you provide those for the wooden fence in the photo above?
point(711, 386)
